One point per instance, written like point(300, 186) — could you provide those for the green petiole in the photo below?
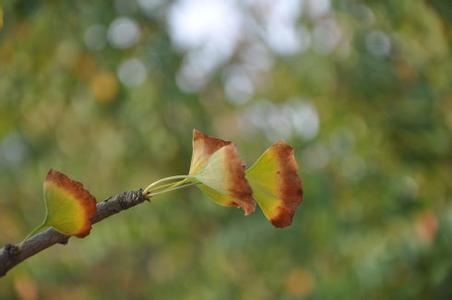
point(171, 189)
point(34, 231)
point(157, 187)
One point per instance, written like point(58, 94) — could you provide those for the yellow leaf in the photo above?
point(217, 166)
point(70, 208)
point(276, 186)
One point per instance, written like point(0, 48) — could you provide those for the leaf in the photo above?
point(223, 180)
point(276, 186)
point(70, 208)
point(220, 172)
point(203, 147)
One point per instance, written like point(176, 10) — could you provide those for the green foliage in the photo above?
point(367, 109)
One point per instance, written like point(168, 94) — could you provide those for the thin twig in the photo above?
point(12, 255)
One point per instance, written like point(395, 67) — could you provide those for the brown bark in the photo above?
point(12, 255)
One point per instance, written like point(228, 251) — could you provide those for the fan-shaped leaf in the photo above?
point(275, 183)
point(223, 179)
point(70, 208)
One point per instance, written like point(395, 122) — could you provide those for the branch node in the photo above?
point(136, 195)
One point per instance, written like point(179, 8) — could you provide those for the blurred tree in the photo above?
point(110, 91)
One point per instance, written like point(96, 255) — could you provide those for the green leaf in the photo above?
point(276, 186)
point(219, 173)
point(69, 207)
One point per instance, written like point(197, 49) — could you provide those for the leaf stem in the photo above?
point(175, 187)
point(163, 186)
point(34, 231)
point(150, 187)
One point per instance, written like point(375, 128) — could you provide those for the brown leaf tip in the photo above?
point(283, 218)
point(291, 186)
point(239, 187)
point(211, 144)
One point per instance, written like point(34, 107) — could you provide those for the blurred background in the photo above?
point(109, 91)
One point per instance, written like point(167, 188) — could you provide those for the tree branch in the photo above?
point(12, 255)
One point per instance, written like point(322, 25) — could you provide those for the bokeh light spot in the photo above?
point(123, 32)
point(132, 72)
point(104, 86)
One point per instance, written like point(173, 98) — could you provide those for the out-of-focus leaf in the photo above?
point(70, 207)
point(276, 185)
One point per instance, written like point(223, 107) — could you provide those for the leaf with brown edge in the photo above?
point(223, 179)
point(203, 147)
point(276, 185)
point(70, 207)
